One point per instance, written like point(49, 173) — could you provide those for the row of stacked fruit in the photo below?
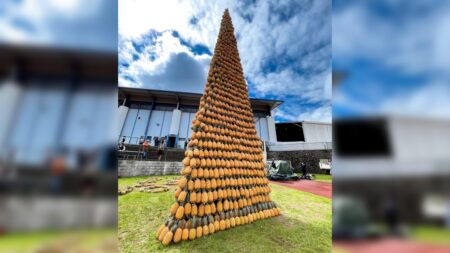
point(181, 230)
point(223, 182)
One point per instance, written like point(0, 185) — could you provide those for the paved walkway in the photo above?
point(389, 245)
point(314, 187)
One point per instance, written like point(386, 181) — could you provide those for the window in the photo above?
point(287, 132)
point(361, 137)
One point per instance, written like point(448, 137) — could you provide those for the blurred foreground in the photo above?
point(89, 241)
point(58, 161)
point(58, 99)
point(391, 126)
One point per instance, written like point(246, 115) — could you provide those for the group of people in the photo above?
point(121, 146)
point(144, 145)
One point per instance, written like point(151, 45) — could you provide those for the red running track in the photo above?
point(390, 245)
point(314, 187)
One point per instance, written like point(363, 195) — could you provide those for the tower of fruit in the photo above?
point(223, 183)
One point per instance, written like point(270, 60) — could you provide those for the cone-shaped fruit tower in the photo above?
point(223, 182)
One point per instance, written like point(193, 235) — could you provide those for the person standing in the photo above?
point(146, 146)
point(141, 147)
point(160, 149)
point(57, 170)
point(303, 168)
point(186, 143)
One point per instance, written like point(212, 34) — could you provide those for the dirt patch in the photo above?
point(288, 223)
point(152, 188)
point(150, 181)
point(149, 186)
point(125, 190)
point(171, 182)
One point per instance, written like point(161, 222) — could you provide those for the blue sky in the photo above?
point(90, 24)
point(395, 55)
point(285, 49)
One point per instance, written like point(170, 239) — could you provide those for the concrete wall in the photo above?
point(271, 129)
point(317, 132)
point(310, 157)
point(132, 168)
point(419, 139)
point(299, 145)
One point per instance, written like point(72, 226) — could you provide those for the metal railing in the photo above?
point(168, 154)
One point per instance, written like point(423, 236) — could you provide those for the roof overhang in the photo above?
point(54, 62)
point(303, 122)
point(162, 96)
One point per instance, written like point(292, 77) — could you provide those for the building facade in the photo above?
point(302, 135)
point(145, 113)
point(167, 114)
point(391, 146)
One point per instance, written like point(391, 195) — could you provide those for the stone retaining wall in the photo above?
point(132, 168)
point(310, 157)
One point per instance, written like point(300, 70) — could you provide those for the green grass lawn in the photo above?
point(323, 178)
point(430, 234)
point(304, 226)
point(81, 240)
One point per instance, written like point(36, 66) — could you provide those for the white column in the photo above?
point(122, 112)
point(175, 124)
point(9, 97)
point(264, 152)
point(271, 129)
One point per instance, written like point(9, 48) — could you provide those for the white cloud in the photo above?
point(71, 23)
point(136, 17)
point(415, 45)
point(285, 46)
point(319, 114)
point(126, 50)
point(410, 52)
point(166, 64)
point(288, 83)
point(430, 100)
point(29, 9)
